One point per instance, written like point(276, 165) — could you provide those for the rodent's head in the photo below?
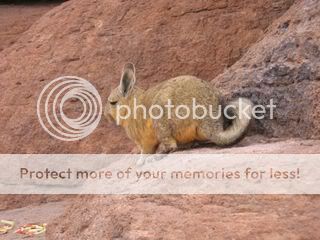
point(121, 94)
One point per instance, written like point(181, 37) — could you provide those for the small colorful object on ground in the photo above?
point(5, 226)
point(32, 229)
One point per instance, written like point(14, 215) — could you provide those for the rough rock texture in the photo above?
point(197, 216)
point(16, 19)
point(190, 217)
point(283, 66)
point(18, 201)
point(92, 39)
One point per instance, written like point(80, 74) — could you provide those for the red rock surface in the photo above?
point(208, 217)
point(190, 217)
point(16, 19)
point(197, 216)
point(92, 39)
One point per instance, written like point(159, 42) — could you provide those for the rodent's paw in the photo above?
point(141, 160)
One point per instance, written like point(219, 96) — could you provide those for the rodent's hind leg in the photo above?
point(164, 134)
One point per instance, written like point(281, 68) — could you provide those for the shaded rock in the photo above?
point(283, 66)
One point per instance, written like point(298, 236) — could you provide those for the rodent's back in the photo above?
point(181, 91)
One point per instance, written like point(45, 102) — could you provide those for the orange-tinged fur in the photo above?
point(186, 135)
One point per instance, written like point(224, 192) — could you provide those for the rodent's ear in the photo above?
point(128, 79)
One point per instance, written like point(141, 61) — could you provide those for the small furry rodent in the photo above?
point(165, 134)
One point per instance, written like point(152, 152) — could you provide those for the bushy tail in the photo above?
point(242, 112)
